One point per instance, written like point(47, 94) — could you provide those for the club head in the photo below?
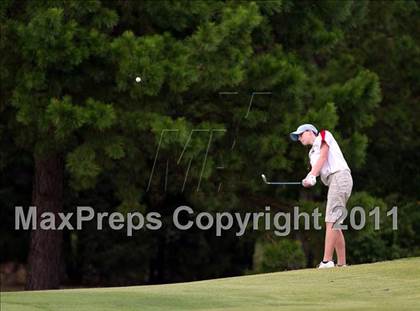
point(263, 177)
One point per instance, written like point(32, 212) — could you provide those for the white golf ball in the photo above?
point(138, 79)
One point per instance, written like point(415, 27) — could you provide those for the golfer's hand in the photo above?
point(309, 181)
point(305, 183)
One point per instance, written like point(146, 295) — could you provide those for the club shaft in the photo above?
point(284, 183)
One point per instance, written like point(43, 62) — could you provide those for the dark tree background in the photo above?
point(233, 78)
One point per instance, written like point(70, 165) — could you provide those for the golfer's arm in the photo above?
point(321, 160)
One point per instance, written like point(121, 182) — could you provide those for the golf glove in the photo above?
point(310, 179)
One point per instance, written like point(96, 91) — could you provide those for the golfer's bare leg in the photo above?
point(340, 248)
point(330, 238)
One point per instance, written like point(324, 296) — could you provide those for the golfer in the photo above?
point(327, 161)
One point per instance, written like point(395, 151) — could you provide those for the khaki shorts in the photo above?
point(340, 185)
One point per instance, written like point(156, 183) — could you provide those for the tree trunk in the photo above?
point(44, 262)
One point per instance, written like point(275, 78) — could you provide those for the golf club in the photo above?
point(279, 182)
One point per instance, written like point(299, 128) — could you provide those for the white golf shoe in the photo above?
point(329, 264)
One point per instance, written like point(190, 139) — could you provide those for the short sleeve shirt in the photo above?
point(335, 161)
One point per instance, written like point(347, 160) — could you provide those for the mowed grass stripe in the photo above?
point(380, 286)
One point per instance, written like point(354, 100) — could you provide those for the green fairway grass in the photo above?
point(391, 285)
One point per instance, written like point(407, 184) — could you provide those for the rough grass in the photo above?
point(391, 285)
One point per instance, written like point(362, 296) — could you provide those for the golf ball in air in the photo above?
point(138, 79)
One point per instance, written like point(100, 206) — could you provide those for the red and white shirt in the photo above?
point(335, 161)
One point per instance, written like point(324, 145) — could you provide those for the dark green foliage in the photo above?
point(277, 256)
point(67, 79)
